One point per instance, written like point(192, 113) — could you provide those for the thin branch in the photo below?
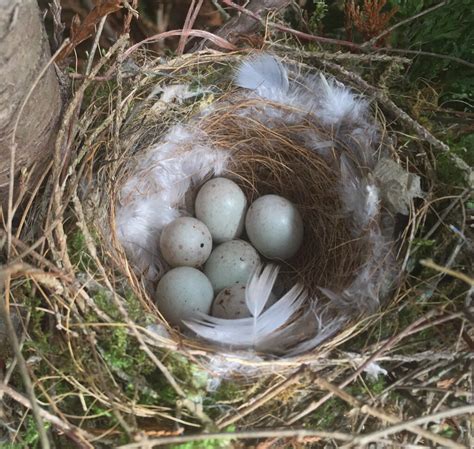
point(403, 22)
point(325, 40)
point(426, 53)
point(95, 45)
point(285, 29)
point(463, 277)
point(365, 439)
point(191, 17)
point(380, 414)
point(244, 435)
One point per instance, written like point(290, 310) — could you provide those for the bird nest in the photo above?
point(272, 128)
point(152, 135)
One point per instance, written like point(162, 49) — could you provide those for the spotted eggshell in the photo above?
point(186, 242)
point(182, 292)
point(231, 263)
point(221, 205)
point(230, 303)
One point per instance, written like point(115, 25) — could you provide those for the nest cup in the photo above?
point(190, 111)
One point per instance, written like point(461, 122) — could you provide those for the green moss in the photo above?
point(78, 253)
point(121, 351)
point(328, 416)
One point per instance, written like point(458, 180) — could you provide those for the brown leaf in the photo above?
point(75, 26)
point(81, 32)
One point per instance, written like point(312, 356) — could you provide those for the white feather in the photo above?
point(154, 195)
point(265, 75)
point(359, 197)
point(251, 333)
point(338, 103)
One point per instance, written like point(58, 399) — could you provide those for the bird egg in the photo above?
point(231, 263)
point(186, 242)
point(183, 292)
point(221, 205)
point(274, 226)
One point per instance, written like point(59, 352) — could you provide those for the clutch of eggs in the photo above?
point(272, 224)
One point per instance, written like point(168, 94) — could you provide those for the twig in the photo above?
point(262, 399)
point(74, 433)
point(365, 439)
point(5, 317)
point(463, 277)
point(95, 45)
point(401, 23)
point(310, 37)
point(426, 53)
point(326, 40)
point(340, 56)
point(199, 33)
point(191, 17)
point(244, 435)
point(380, 414)
point(225, 15)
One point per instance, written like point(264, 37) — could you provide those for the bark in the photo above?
point(24, 53)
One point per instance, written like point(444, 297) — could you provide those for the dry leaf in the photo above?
point(82, 31)
point(398, 187)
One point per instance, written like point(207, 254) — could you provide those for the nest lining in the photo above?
point(272, 140)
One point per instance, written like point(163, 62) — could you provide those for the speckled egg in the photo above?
point(230, 303)
point(182, 292)
point(275, 227)
point(221, 205)
point(231, 263)
point(186, 242)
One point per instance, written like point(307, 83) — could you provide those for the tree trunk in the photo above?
point(24, 53)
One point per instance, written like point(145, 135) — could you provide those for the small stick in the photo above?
point(95, 45)
point(380, 414)
point(365, 439)
point(244, 435)
point(285, 29)
point(191, 17)
point(463, 277)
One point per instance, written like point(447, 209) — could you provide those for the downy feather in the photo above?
point(265, 75)
point(249, 333)
point(360, 198)
point(154, 195)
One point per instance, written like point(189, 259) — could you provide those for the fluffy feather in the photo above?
point(331, 102)
point(154, 195)
point(262, 328)
point(338, 103)
point(265, 75)
point(360, 198)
